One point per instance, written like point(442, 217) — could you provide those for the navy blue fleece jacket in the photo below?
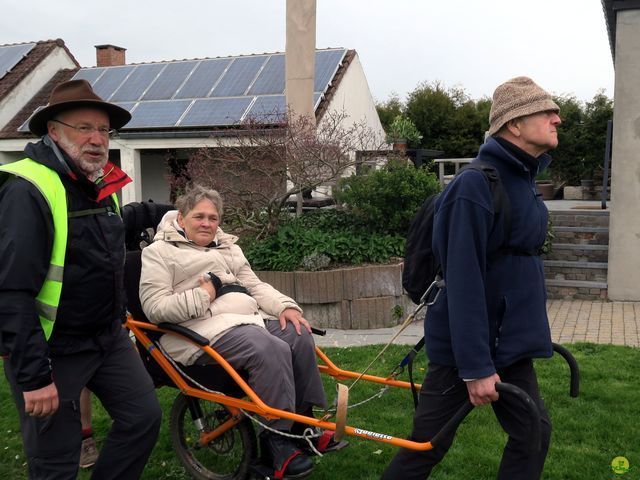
point(492, 311)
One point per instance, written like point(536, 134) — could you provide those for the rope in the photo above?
point(404, 325)
point(437, 283)
point(184, 374)
point(378, 394)
point(308, 434)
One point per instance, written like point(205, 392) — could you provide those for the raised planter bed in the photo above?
point(346, 298)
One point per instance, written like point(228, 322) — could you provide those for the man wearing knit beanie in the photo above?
point(490, 319)
point(517, 98)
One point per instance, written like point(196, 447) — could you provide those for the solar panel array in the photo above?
point(10, 55)
point(204, 93)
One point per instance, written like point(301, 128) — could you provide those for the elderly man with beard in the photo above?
point(61, 292)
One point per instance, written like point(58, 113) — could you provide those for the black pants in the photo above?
point(443, 393)
point(114, 372)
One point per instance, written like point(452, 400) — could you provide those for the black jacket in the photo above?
point(92, 304)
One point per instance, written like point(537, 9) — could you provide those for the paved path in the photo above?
point(571, 321)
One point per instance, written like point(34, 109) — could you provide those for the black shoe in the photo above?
point(284, 456)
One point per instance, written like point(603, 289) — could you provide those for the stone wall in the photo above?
point(347, 298)
point(585, 193)
point(576, 268)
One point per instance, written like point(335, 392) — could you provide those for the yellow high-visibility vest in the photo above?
point(50, 186)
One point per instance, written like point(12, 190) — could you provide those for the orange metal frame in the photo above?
point(254, 403)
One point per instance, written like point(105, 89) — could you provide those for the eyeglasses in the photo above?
point(88, 129)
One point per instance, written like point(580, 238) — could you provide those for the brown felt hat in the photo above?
point(518, 97)
point(76, 94)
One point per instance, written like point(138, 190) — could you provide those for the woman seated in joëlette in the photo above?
point(195, 275)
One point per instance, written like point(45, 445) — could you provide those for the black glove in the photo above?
point(217, 283)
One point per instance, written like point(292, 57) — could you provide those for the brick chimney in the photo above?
point(109, 55)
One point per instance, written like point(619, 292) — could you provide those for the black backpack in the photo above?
point(420, 265)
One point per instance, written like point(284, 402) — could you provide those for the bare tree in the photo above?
point(258, 166)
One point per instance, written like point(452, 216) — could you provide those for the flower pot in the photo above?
point(546, 190)
point(400, 145)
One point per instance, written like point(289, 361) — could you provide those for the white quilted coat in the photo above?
point(170, 292)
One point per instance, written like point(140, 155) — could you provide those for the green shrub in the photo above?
point(325, 219)
point(327, 233)
point(386, 200)
point(371, 229)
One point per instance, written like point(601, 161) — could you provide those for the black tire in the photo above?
point(226, 458)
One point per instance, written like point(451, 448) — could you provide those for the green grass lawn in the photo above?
point(588, 431)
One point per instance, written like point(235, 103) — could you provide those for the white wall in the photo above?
point(8, 157)
point(624, 222)
point(12, 149)
point(57, 60)
point(353, 97)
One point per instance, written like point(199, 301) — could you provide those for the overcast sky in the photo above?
point(561, 44)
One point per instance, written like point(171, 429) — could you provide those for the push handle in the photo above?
point(530, 405)
point(574, 386)
point(318, 331)
point(502, 388)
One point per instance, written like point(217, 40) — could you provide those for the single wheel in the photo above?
point(227, 457)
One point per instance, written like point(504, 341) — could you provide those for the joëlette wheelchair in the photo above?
point(210, 433)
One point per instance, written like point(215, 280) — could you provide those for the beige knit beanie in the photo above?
point(515, 98)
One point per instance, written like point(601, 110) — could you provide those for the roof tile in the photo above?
point(41, 98)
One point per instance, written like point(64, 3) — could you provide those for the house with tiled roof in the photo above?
point(25, 68)
point(181, 105)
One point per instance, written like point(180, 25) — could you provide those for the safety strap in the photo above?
point(341, 411)
point(408, 362)
point(91, 211)
point(324, 440)
point(230, 288)
point(114, 208)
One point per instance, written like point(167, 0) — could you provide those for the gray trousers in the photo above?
point(280, 364)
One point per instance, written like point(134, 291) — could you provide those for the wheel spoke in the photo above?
point(226, 456)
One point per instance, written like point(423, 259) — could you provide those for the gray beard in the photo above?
point(91, 170)
point(96, 175)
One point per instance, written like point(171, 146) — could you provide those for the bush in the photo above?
point(582, 138)
point(379, 208)
point(386, 200)
point(329, 233)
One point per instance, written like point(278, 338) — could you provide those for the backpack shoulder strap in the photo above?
point(499, 197)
